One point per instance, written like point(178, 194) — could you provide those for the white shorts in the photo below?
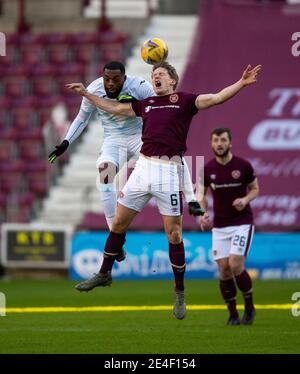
point(153, 178)
point(118, 150)
point(231, 240)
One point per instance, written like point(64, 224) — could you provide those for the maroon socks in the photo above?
point(228, 291)
point(177, 259)
point(113, 246)
point(244, 283)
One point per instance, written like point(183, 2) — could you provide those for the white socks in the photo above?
point(108, 197)
point(187, 184)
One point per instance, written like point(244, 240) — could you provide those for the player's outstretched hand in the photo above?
point(59, 150)
point(250, 75)
point(205, 223)
point(77, 87)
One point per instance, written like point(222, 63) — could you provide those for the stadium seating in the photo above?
point(33, 75)
point(37, 183)
point(70, 72)
point(15, 84)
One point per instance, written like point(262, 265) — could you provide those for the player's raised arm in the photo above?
point(249, 77)
point(110, 106)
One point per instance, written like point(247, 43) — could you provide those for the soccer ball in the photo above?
point(154, 50)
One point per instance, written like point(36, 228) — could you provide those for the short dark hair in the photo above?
point(170, 69)
point(115, 65)
point(220, 130)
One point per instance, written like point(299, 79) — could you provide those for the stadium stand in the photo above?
point(121, 9)
point(33, 77)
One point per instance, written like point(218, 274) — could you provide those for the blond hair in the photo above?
point(170, 69)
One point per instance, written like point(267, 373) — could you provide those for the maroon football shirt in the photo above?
point(166, 122)
point(227, 183)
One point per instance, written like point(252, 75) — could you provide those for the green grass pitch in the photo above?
point(274, 331)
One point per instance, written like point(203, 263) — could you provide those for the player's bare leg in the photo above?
point(113, 246)
point(108, 196)
point(228, 290)
point(173, 229)
point(244, 283)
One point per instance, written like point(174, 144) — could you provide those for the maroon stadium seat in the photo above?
point(73, 105)
point(86, 53)
point(15, 82)
point(2, 207)
point(5, 104)
point(44, 106)
point(26, 101)
point(85, 38)
point(112, 46)
point(86, 47)
point(42, 80)
point(30, 134)
point(19, 207)
point(8, 134)
point(2, 200)
point(11, 181)
point(32, 54)
point(58, 53)
point(69, 73)
point(31, 48)
point(11, 56)
point(36, 166)
point(13, 166)
point(13, 39)
point(30, 150)
point(22, 214)
point(58, 38)
point(23, 118)
point(38, 183)
point(7, 150)
point(24, 198)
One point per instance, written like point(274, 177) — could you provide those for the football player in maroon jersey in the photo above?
point(233, 185)
point(166, 121)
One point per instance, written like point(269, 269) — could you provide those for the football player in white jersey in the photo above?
point(122, 135)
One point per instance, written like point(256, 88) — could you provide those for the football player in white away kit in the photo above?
point(122, 135)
